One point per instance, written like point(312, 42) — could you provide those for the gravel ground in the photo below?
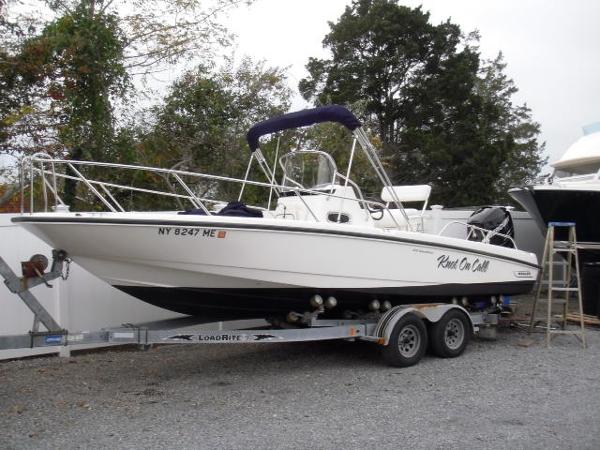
point(335, 395)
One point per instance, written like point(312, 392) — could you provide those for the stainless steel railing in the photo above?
point(471, 229)
point(45, 167)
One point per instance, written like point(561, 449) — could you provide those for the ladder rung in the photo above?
point(566, 332)
point(562, 224)
point(564, 250)
point(559, 263)
point(564, 289)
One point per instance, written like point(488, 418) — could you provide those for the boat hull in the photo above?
point(226, 303)
point(546, 204)
point(231, 268)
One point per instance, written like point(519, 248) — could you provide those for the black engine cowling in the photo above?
point(497, 220)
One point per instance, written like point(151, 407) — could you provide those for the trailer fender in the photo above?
point(430, 313)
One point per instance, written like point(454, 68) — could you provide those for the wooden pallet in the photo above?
point(587, 319)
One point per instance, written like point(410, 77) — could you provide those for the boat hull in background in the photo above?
point(550, 203)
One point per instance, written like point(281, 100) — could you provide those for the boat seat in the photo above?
point(407, 194)
point(387, 221)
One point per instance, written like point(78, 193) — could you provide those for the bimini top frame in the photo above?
point(331, 113)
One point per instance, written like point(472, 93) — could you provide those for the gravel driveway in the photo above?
point(336, 395)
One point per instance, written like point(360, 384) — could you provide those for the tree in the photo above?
point(202, 122)
point(432, 103)
point(514, 125)
point(8, 199)
point(59, 87)
point(15, 93)
point(78, 58)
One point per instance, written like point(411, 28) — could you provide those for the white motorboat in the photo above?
point(571, 193)
point(319, 245)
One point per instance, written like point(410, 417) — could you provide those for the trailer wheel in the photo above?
point(450, 335)
point(407, 343)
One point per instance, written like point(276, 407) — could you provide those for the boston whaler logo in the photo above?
point(523, 274)
point(464, 264)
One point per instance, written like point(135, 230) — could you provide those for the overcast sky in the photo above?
point(552, 49)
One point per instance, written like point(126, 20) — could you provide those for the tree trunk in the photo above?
point(70, 192)
point(8, 195)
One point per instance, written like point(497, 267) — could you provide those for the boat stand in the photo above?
point(402, 330)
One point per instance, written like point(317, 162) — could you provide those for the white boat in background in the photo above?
point(318, 243)
point(571, 193)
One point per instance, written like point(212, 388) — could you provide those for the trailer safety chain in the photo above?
point(64, 275)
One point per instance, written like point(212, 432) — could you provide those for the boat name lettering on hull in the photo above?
point(463, 264)
point(192, 232)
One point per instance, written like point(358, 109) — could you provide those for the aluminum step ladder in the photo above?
point(556, 287)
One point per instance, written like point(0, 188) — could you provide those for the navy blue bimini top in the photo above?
point(331, 113)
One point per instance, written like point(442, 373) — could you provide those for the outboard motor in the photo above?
point(497, 220)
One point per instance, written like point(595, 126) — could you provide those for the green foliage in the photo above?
point(83, 55)
point(202, 123)
point(62, 81)
point(441, 116)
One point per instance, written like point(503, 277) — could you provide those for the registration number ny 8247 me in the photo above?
point(192, 232)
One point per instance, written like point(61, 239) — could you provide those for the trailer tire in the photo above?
point(450, 335)
point(407, 343)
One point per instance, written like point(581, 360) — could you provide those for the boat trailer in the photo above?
point(404, 332)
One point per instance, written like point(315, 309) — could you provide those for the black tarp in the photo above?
point(237, 209)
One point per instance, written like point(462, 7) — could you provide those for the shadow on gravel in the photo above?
point(256, 359)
